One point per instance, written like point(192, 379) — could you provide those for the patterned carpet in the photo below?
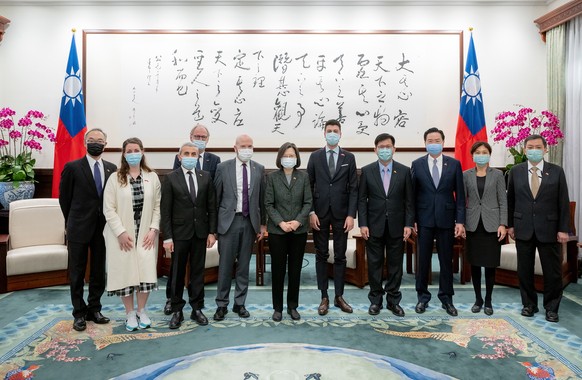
point(42, 345)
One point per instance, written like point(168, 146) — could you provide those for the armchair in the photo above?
point(34, 253)
point(356, 263)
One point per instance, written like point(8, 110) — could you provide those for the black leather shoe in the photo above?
point(421, 307)
point(97, 317)
point(529, 310)
point(277, 316)
point(241, 311)
point(476, 308)
point(374, 309)
point(450, 309)
point(168, 307)
point(199, 317)
point(552, 316)
point(177, 319)
point(220, 313)
point(79, 324)
point(488, 310)
point(396, 309)
point(294, 314)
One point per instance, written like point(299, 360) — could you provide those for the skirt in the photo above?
point(482, 247)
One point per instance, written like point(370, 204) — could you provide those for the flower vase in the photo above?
point(9, 192)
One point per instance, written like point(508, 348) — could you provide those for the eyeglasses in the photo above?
point(91, 141)
point(199, 137)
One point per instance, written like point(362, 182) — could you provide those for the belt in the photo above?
point(238, 214)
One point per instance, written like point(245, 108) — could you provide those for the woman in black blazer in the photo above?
point(287, 203)
point(486, 219)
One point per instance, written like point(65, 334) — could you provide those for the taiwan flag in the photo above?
point(471, 124)
point(72, 126)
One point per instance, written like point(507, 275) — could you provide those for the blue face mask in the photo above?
point(481, 159)
point(288, 162)
point(200, 144)
point(332, 138)
point(189, 163)
point(384, 154)
point(434, 149)
point(133, 159)
point(535, 155)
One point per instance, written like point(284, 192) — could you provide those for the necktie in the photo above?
point(535, 181)
point(97, 177)
point(331, 163)
point(386, 179)
point(192, 187)
point(245, 191)
point(435, 173)
point(198, 163)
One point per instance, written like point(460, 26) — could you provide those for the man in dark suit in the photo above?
point(240, 187)
point(188, 222)
point(440, 215)
point(538, 218)
point(81, 200)
point(334, 184)
point(386, 218)
point(199, 136)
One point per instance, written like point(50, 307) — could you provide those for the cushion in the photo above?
point(212, 257)
point(36, 259)
point(509, 258)
point(350, 253)
point(36, 222)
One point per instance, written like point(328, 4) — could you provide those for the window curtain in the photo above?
point(573, 114)
point(556, 63)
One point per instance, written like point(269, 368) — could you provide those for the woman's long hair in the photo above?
point(123, 171)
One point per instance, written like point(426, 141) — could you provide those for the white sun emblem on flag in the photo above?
point(472, 86)
point(72, 89)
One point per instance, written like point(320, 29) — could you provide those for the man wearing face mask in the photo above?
point(538, 218)
point(334, 184)
point(199, 136)
point(440, 216)
point(386, 218)
point(240, 187)
point(188, 224)
point(81, 201)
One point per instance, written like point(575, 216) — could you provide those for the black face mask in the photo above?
point(95, 149)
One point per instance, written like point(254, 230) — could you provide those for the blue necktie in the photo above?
point(198, 163)
point(97, 176)
point(245, 191)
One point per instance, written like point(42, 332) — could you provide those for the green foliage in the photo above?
point(17, 169)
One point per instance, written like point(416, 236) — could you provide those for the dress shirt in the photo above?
point(439, 164)
point(187, 177)
point(335, 156)
point(239, 181)
point(92, 161)
point(540, 167)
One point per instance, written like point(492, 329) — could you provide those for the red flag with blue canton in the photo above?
point(72, 125)
point(471, 124)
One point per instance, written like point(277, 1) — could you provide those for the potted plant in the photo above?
point(514, 127)
point(17, 143)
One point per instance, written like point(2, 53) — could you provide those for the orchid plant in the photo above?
point(18, 142)
point(514, 127)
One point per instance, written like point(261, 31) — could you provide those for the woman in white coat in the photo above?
point(131, 205)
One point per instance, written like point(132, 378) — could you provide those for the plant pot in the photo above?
point(9, 192)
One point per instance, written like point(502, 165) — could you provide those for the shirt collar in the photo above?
point(540, 165)
point(92, 161)
point(335, 150)
point(389, 165)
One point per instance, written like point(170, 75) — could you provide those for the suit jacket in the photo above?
point(210, 163)
point(82, 207)
point(287, 201)
point(375, 206)
point(440, 207)
point(226, 194)
point(183, 219)
point(548, 213)
point(340, 192)
point(492, 207)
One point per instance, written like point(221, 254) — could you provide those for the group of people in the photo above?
point(204, 201)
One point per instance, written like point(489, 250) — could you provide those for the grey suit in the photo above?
point(236, 233)
point(491, 207)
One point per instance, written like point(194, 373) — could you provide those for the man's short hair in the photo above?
point(433, 130)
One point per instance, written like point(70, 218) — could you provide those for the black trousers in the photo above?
point(445, 238)
point(321, 241)
point(551, 260)
point(78, 257)
point(195, 251)
point(376, 247)
point(286, 252)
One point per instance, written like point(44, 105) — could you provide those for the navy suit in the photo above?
point(82, 208)
point(437, 211)
point(334, 199)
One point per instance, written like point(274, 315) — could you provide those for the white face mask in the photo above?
point(245, 154)
point(288, 162)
